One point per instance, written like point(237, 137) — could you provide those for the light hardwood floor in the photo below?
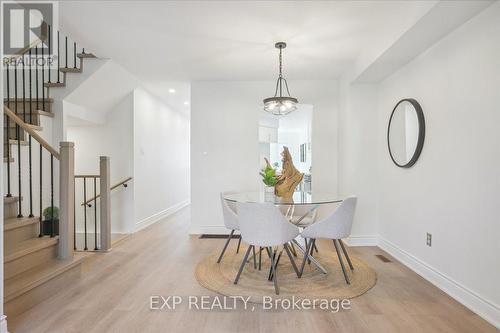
point(113, 295)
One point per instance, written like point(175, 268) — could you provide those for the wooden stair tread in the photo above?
point(20, 100)
point(34, 127)
point(32, 278)
point(40, 112)
point(70, 70)
point(18, 222)
point(29, 246)
point(86, 55)
point(14, 142)
point(54, 85)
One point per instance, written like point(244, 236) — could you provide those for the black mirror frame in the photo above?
point(421, 133)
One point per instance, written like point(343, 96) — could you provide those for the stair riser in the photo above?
point(13, 237)
point(37, 295)
point(28, 261)
point(10, 210)
point(13, 133)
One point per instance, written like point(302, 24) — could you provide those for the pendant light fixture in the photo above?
point(280, 105)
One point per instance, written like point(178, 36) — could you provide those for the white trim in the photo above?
point(208, 229)
point(362, 240)
point(160, 215)
point(3, 324)
point(476, 303)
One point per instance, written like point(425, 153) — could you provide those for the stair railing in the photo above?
point(98, 219)
point(28, 76)
point(65, 156)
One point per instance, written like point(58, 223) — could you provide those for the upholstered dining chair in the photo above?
point(230, 221)
point(263, 224)
point(335, 227)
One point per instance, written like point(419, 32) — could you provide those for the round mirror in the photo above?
point(406, 132)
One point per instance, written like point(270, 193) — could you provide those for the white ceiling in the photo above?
point(181, 41)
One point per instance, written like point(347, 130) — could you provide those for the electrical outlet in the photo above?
point(429, 239)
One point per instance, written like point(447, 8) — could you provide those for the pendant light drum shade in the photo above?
point(280, 105)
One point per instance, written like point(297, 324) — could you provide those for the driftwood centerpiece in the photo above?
point(290, 177)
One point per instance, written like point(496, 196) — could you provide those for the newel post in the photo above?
point(66, 199)
point(105, 212)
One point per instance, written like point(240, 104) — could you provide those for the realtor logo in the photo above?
point(25, 23)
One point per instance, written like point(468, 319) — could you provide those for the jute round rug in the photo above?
point(313, 284)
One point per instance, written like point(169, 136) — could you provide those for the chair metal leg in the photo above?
point(313, 244)
point(315, 247)
point(254, 259)
point(243, 264)
point(313, 260)
point(239, 243)
point(292, 248)
point(268, 253)
point(306, 255)
point(273, 258)
point(225, 246)
point(260, 258)
point(274, 268)
point(291, 259)
point(341, 262)
point(346, 255)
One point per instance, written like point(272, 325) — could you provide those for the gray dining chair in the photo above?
point(230, 222)
point(335, 227)
point(262, 224)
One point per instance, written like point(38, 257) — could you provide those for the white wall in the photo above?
point(113, 138)
point(225, 148)
point(358, 157)
point(453, 191)
point(161, 159)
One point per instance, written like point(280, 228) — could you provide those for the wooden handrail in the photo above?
point(111, 188)
point(8, 112)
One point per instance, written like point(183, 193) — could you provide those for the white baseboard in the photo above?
point(3, 324)
point(362, 240)
point(160, 215)
point(482, 307)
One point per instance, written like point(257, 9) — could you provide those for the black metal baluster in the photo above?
point(9, 194)
point(66, 50)
point(52, 232)
point(58, 59)
point(30, 89)
point(85, 212)
point(40, 193)
point(18, 136)
point(74, 54)
point(36, 77)
point(95, 213)
point(24, 91)
point(83, 51)
point(50, 52)
point(15, 88)
point(43, 79)
point(29, 142)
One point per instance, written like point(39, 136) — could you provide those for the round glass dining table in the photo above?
point(309, 200)
point(298, 198)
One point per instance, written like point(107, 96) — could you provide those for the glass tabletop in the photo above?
point(299, 198)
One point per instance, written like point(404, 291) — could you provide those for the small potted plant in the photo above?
point(269, 178)
point(50, 213)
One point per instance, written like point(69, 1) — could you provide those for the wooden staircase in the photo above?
point(33, 270)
